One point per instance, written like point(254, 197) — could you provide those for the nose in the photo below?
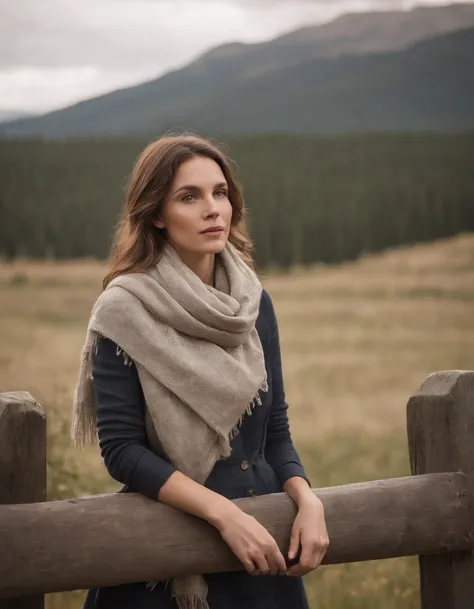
point(211, 209)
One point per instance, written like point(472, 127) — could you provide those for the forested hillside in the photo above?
point(310, 198)
point(371, 72)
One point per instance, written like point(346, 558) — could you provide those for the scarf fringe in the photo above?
point(191, 602)
point(127, 360)
point(84, 426)
point(182, 594)
point(152, 585)
point(257, 401)
point(183, 601)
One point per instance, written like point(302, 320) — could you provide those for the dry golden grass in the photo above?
point(357, 341)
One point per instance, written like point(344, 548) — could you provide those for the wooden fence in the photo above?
point(111, 539)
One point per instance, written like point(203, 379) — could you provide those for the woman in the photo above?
point(181, 377)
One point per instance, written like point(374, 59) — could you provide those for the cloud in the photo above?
point(124, 33)
point(47, 47)
point(54, 52)
point(106, 32)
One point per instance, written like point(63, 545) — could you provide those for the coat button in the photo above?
point(244, 465)
point(251, 493)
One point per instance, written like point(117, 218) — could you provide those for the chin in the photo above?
point(199, 248)
point(215, 248)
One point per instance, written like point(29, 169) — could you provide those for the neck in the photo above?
point(201, 264)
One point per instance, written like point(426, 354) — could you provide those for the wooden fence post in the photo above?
point(441, 439)
point(22, 464)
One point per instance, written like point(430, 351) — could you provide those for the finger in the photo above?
point(308, 551)
point(319, 555)
point(318, 559)
point(322, 550)
point(250, 566)
point(294, 543)
point(326, 545)
point(261, 563)
point(300, 569)
point(276, 561)
point(272, 564)
point(281, 562)
point(294, 571)
point(308, 558)
point(318, 548)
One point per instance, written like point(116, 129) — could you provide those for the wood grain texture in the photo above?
point(22, 466)
point(112, 539)
point(441, 438)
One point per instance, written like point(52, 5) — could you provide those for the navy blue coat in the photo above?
point(263, 458)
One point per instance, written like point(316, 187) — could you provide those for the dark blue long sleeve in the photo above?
point(280, 451)
point(121, 424)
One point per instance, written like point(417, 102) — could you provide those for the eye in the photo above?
point(221, 193)
point(187, 198)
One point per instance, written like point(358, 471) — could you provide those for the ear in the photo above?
point(158, 223)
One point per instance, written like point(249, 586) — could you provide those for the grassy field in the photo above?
point(357, 341)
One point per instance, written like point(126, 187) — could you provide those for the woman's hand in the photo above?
point(247, 538)
point(252, 544)
point(308, 534)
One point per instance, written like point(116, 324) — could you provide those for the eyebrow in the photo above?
point(195, 188)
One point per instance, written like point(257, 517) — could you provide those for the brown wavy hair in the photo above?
point(137, 243)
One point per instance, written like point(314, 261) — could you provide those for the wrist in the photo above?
point(308, 499)
point(299, 490)
point(220, 512)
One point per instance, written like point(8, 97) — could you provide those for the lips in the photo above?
point(214, 229)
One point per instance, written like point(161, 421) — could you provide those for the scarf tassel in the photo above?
point(257, 401)
point(84, 429)
point(191, 602)
point(181, 593)
point(127, 360)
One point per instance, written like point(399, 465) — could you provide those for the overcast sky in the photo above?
point(56, 52)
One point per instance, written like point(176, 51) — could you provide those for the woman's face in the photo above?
point(197, 201)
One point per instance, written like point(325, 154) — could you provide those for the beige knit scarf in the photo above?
point(199, 360)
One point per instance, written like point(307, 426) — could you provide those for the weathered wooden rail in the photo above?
point(112, 539)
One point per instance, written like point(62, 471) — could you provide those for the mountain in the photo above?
point(11, 115)
point(350, 34)
point(367, 71)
